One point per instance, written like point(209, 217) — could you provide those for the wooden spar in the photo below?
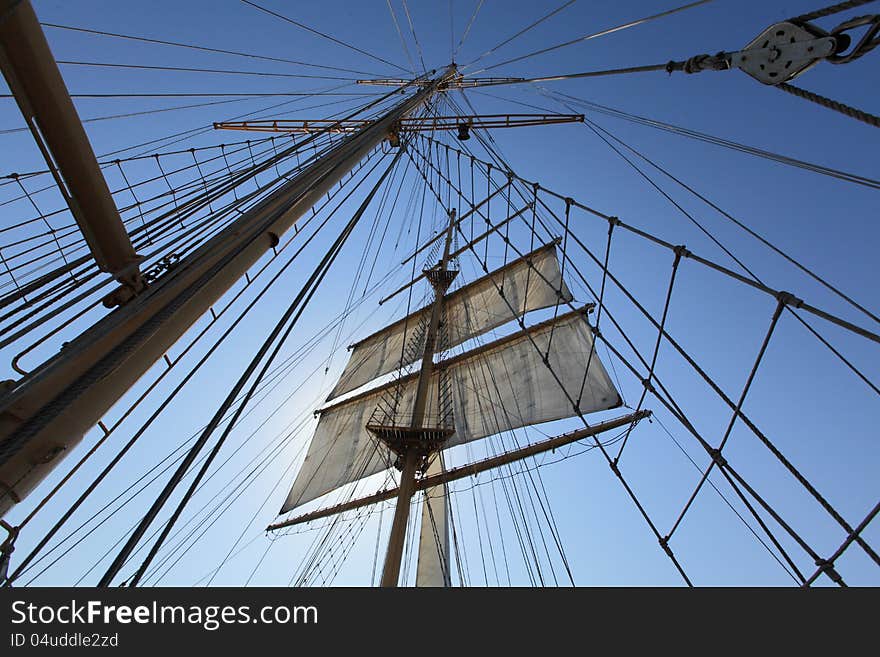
point(463, 290)
point(470, 244)
point(409, 124)
point(413, 456)
point(469, 470)
point(35, 81)
point(467, 355)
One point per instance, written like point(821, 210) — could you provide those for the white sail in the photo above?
point(504, 385)
point(432, 569)
point(529, 283)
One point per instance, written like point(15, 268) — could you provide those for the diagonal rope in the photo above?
point(200, 70)
point(467, 29)
point(729, 473)
point(321, 34)
point(708, 138)
point(829, 11)
point(202, 48)
point(415, 37)
point(520, 33)
point(587, 37)
point(837, 106)
point(400, 34)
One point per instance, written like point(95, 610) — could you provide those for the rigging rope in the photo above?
point(202, 48)
point(290, 319)
point(290, 361)
point(251, 94)
point(321, 34)
point(136, 230)
point(400, 35)
point(128, 115)
point(518, 34)
point(822, 567)
point(412, 29)
point(732, 476)
point(285, 154)
point(145, 67)
point(829, 11)
point(602, 449)
point(705, 137)
point(837, 106)
point(467, 29)
point(798, 303)
point(587, 37)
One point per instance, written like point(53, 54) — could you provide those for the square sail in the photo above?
point(497, 387)
point(530, 283)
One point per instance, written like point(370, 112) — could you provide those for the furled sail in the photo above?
point(470, 311)
point(433, 562)
point(500, 386)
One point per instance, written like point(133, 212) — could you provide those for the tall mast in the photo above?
point(418, 448)
point(47, 413)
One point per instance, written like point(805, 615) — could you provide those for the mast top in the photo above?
point(441, 276)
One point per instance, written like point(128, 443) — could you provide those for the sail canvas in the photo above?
point(529, 283)
point(525, 392)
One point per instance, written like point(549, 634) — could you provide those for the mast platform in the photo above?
point(403, 439)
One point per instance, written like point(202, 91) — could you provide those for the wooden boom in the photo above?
point(409, 124)
point(470, 469)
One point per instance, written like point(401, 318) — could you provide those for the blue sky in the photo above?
point(817, 412)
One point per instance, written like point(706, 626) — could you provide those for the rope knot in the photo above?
point(788, 299)
point(681, 251)
point(614, 468)
point(827, 567)
point(700, 63)
point(6, 550)
point(717, 458)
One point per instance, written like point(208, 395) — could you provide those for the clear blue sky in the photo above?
point(818, 413)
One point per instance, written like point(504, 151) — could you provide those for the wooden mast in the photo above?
point(47, 412)
point(417, 448)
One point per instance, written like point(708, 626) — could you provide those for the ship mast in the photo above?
point(421, 439)
point(45, 414)
point(451, 402)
